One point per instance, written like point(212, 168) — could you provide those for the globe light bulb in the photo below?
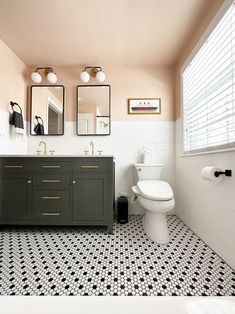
point(85, 77)
point(100, 76)
point(52, 77)
point(36, 77)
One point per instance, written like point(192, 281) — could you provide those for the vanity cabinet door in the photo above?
point(90, 196)
point(16, 194)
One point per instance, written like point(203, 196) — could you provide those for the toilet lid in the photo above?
point(155, 190)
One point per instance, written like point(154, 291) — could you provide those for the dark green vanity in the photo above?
point(57, 191)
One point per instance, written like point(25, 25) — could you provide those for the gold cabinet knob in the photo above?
point(74, 182)
point(29, 181)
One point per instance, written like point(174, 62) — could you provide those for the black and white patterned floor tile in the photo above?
point(87, 261)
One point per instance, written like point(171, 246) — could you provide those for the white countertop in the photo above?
point(57, 156)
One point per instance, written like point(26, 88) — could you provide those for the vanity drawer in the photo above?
point(52, 166)
point(90, 165)
point(16, 166)
point(51, 181)
point(49, 204)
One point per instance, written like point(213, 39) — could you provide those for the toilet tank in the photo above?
point(147, 171)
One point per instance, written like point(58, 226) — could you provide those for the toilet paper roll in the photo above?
point(208, 173)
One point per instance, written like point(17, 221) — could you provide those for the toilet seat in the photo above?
point(156, 190)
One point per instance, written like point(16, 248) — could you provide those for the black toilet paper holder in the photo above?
point(227, 173)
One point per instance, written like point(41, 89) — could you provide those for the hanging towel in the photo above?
point(39, 128)
point(16, 119)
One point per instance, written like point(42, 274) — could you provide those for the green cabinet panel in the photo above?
point(16, 195)
point(90, 196)
point(57, 191)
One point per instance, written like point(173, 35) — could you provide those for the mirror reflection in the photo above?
point(47, 110)
point(93, 110)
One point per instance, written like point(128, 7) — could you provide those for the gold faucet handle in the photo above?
point(38, 152)
point(99, 152)
point(52, 152)
point(86, 152)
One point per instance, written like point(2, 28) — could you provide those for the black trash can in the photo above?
point(122, 210)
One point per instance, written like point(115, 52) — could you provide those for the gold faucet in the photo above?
point(45, 147)
point(92, 145)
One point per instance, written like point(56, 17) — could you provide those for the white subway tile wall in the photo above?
point(125, 143)
point(208, 208)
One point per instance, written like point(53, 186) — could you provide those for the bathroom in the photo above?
point(197, 256)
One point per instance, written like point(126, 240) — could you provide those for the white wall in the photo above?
point(125, 143)
point(208, 208)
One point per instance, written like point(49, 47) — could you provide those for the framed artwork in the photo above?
point(144, 106)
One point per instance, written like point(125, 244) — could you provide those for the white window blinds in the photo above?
point(209, 91)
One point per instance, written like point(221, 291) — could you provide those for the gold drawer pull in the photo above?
point(90, 167)
point(50, 197)
point(52, 167)
point(13, 166)
point(51, 181)
point(50, 214)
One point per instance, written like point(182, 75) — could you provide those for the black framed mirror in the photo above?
point(93, 110)
point(47, 110)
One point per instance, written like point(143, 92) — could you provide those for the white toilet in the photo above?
point(156, 197)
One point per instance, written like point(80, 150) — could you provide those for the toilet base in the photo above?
point(155, 226)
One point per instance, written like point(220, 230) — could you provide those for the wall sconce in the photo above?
point(95, 71)
point(48, 72)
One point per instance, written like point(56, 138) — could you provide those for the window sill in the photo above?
point(209, 152)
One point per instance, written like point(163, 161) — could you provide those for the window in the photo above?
point(209, 91)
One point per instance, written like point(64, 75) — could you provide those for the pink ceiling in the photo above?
point(106, 32)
